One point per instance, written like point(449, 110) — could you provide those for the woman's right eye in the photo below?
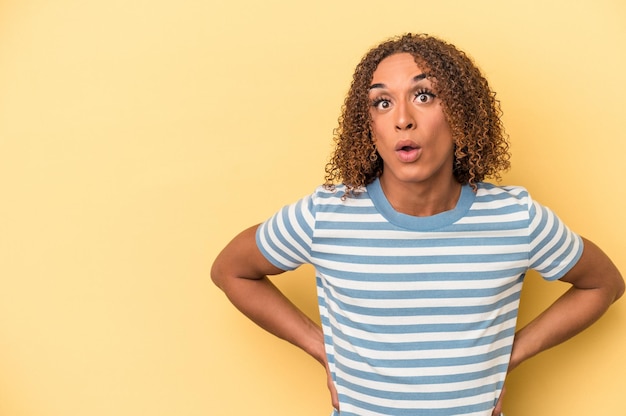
point(381, 104)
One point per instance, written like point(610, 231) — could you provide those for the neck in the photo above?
point(421, 200)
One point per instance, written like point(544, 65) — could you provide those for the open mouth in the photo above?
point(408, 151)
point(406, 146)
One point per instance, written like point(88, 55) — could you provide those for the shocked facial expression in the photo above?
point(409, 128)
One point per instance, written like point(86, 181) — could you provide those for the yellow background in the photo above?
point(137, 137)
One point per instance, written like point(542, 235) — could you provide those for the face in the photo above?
point(409, 128)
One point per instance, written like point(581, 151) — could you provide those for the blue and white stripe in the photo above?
point(419, 313)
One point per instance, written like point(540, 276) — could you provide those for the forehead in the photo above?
point(399, 65)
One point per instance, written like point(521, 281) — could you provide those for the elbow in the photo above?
point(615, 282)
point(217, 274)
point(619, 292)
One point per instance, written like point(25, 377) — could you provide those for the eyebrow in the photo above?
point(416, 78)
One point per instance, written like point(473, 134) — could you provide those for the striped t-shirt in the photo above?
point(419, 313)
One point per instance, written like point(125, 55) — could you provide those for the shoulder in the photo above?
point(504, 194)
point(338, 195)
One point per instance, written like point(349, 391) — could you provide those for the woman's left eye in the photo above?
point(424, 97)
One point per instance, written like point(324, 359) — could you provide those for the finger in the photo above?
point(497, 411)
point(334, 397)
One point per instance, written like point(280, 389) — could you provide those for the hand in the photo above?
point(334, 397)
point(497, 411)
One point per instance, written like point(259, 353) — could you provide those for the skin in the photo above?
point(412, 136)
point(416, 182)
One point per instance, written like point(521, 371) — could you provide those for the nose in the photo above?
point(404, 118)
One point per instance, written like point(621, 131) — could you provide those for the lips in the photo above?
point(408, 151)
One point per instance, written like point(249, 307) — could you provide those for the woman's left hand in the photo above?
point(497, 411)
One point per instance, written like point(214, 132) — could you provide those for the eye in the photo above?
point(424, 96)
point(381, 104)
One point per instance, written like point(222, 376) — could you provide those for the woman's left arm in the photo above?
point(596, 284)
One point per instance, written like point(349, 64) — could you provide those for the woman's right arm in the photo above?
point(241, 271)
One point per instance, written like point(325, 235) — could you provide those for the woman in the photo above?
point(419, 262)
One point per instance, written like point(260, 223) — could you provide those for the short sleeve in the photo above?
point(554, 248)
point(285, 238)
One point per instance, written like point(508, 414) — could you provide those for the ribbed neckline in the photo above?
point(433, 222)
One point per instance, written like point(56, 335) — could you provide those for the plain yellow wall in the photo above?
point(137, 137)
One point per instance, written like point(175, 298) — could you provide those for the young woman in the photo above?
point(419, 262)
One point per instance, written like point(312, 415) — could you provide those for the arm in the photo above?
point(241, 270)
point(596, 284)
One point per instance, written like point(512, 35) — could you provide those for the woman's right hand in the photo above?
point(334, 397)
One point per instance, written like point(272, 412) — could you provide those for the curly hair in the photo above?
point(469, 105)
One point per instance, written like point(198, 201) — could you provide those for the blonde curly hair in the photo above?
point(469, 104)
